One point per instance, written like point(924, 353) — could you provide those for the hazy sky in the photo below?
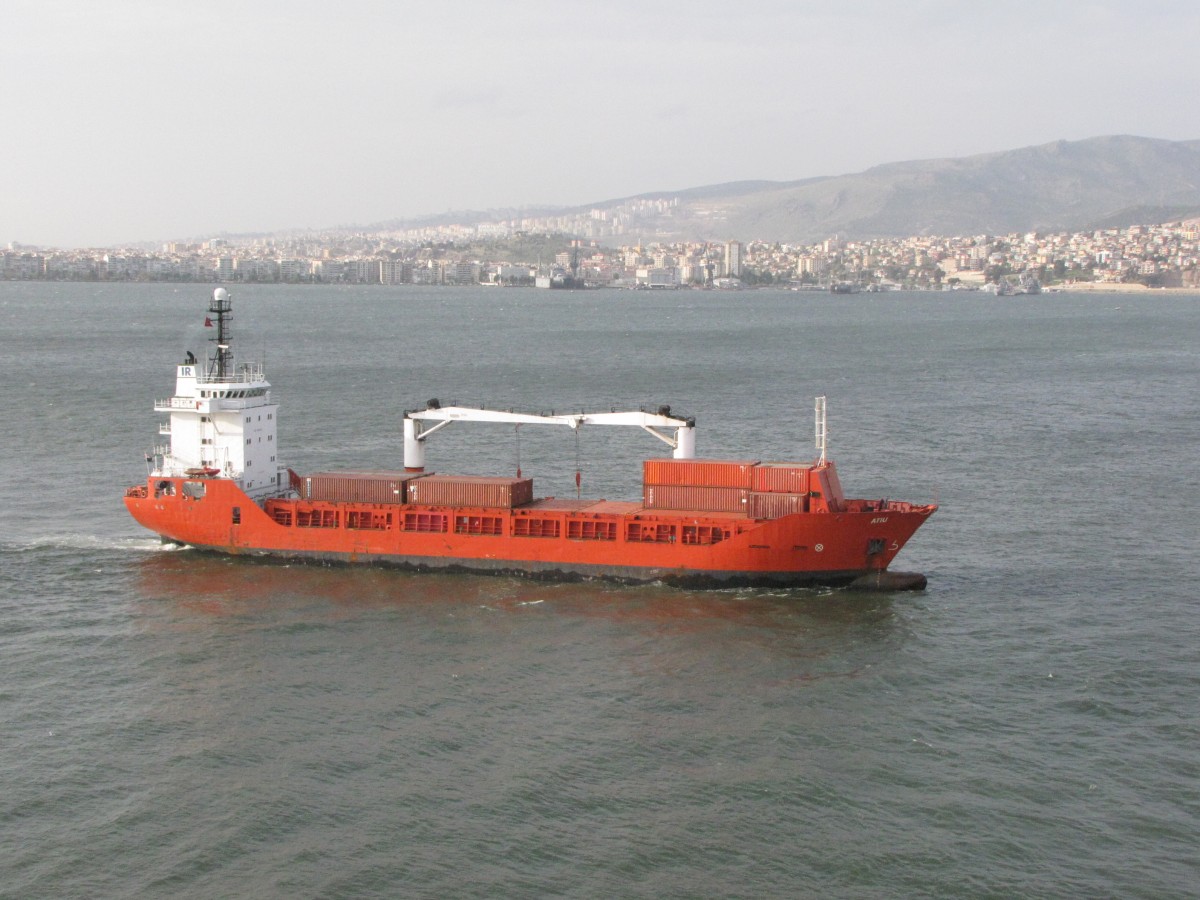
point(132, 120)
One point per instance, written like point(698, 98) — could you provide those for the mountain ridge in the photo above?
point(1107, 181)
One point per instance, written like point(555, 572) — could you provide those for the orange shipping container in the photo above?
point(774, 505)
point(698, 497)
point(825, 481)
point(699, 472)
point(356, 487)
point(785, 478)
point(466, 490)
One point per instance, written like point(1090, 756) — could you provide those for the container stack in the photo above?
point(469, 490)
point(704, 485)
point(410, 487)
point(356, 487)
point(778, 489)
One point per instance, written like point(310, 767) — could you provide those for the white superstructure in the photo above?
point(222, 421)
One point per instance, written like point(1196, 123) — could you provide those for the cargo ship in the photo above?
point(218, 485)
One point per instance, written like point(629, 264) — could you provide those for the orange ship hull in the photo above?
point(219, 486)
point(621, 541)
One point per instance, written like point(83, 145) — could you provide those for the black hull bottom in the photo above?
point(856, 580)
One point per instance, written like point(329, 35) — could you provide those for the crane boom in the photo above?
point(416, 431)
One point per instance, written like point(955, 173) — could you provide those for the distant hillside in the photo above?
point(1063, 186)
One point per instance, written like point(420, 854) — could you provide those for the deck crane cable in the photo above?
point(517, 430)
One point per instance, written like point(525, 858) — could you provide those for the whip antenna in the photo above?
point(822, 429)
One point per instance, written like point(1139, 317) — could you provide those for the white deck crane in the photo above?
point(682, 440)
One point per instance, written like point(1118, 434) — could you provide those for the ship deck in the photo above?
point(620, 508)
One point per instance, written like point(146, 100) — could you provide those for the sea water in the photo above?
point(184, 725)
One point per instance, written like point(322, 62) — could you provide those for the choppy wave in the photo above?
point(87, 543)
point(195, 725)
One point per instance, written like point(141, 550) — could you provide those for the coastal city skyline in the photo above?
point(151, 123)
point(1160, 255)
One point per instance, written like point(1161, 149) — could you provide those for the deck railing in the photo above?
point(245, 372)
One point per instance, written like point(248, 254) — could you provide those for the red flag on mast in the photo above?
point(208, 322)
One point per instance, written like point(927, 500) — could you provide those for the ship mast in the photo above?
point(822, 428)
point(220, 364)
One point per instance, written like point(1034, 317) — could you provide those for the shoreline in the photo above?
point(1109, 288)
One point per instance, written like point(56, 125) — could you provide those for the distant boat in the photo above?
point(1027, 284)
point(559, 280)
point(1010, 286)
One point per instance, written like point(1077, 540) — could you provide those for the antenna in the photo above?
point(822, 428)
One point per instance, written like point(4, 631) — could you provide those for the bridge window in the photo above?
point(650, 533)
point(478, 525)
point(591, 530)
point(702, 534)
point(425, 522)
point(316, 518)
point(368, 520)
point(527, 527)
